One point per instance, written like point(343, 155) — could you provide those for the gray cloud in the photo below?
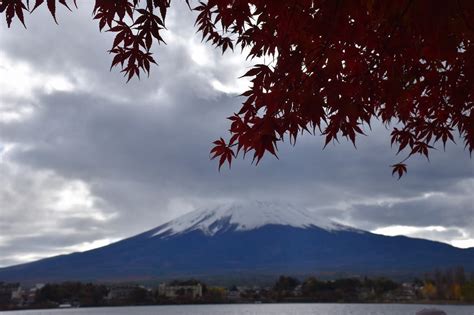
point(452, 206)
point(91, 158)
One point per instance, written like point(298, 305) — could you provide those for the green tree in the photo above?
point(286, 284)
point(467, 291)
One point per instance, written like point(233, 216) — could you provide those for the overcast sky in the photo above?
point(86, 159)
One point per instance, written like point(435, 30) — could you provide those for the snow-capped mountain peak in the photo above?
point(246, 216)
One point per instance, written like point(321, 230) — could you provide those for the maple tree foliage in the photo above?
point(334, 66)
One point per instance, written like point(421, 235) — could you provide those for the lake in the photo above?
point(257, 309)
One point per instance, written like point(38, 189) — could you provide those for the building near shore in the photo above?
point(180, 290)
point(120, 292)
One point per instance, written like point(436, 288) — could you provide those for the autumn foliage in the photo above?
point(332, 66)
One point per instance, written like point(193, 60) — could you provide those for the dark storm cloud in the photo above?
point(96, 159)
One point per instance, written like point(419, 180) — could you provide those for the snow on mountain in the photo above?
point(246, 216)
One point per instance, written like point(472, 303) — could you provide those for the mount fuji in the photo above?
point(246, 240)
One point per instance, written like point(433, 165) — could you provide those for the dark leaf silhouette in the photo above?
point(399, 169)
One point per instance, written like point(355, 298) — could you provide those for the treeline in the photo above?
point(450, 284)
point(440, 285)
point(437, 286)
point(284, 289)
point(340, 290)
point(84, 294)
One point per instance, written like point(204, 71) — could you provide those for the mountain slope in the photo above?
point(245, 239)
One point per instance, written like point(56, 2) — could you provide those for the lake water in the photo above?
point(257, 309)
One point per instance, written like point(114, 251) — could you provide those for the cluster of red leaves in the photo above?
point(18, 8)
point(136, 25)
point(334, 65)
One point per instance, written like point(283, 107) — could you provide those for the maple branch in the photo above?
point(464, 17)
